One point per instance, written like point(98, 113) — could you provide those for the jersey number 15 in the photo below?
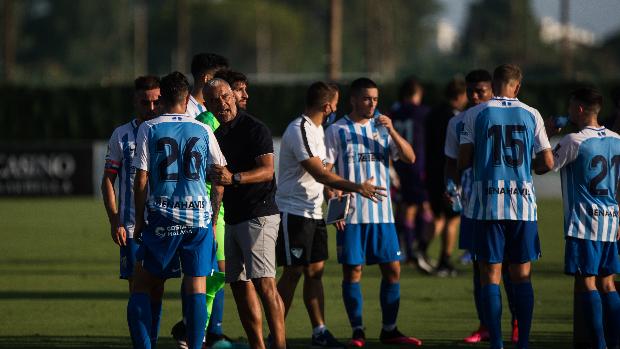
point(503, 137)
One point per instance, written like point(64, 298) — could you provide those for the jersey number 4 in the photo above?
point(600, 159)
point(503, 137)
point(185, 162)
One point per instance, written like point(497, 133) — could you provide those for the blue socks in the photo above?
point(524, 308)
point(183, 303)
point(217, 314)
point(352, 297)
point(510, 293)
point(155, 320)
point(139, 319)
point(390, 301)
point(477, 294)
point(593, 313)
point(492, 309)
point(611, 306)
point(196, 313)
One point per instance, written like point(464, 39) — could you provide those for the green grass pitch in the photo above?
point(59, 288)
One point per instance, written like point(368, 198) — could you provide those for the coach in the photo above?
point(252, 217)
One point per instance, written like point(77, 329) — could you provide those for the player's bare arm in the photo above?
point(117, 230)
point(450, 170)
point(263, 172)
point(315, 168)
point(543, 162)
point(405, 150)
point(466, 157)
point(140, 185)
point(217, 193)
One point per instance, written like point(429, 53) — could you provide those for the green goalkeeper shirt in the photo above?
point(208, 118)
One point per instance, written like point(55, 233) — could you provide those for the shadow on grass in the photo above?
point(546, 341)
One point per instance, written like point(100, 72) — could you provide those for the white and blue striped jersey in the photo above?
point(506, 133)
point(590, 163)
point(194, 108)
point(121, 149)
point(451, 150)
point(359, 152)
point(178, 151)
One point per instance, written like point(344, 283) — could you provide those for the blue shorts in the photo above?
point(164, 242)
point(466, 234)
point(590, 258)
point(128, 258)
point(515, 242)
point(374, 243)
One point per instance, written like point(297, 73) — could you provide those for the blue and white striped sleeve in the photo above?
point(565, 152)
point(331, 144)
point(141, 159)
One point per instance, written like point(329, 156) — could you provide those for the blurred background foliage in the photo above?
point(66, 60)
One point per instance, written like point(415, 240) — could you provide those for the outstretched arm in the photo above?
point(315, 168)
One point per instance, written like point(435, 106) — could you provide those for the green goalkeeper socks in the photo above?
point(215, 283)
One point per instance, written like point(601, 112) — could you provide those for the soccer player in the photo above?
point(590, 168)
point(173, 156)
point(360, 146)
point(414, 212)
point(302, 240)
point(446, 220)
point(252, 216)
point(239, 84)
point(121, 148)
point(497, 141)
point(204, 67)
point(479, 90)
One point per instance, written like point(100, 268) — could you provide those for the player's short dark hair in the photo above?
point(202, 63)
point(145, 83)
point(320, 93)
point(478, 75)
point(174, 88)
point(409, 87)
point(361, 84)
point(507, 72)
point(231, 76)
point(455, 88)
point(589, 97)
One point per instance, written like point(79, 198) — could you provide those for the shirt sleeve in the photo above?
point(565, 152)
point(302, 148)
point(541, 141)
point(262, 142)
point(451, 148)
point(394, 151)
point(114, 155)
point(331, 144)
point(467, 134)
point(142, 157)
point(215, 153)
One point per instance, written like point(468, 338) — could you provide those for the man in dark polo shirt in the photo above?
point(252, 216)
